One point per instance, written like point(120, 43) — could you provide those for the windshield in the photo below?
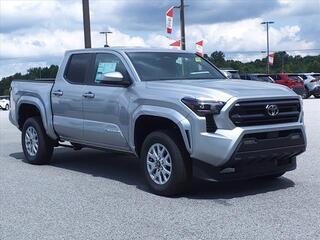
point(153, 66)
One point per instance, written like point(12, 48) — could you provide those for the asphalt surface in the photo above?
point(91, 194)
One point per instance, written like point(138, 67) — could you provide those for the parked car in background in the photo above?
point(292, 82)
point(4, 102)
point(311, 83)
point(226, 74)
point(257, 77)
point(231, 73)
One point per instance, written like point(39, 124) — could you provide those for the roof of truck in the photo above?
point(126, 49)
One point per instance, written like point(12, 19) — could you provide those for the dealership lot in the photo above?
point(92, 194)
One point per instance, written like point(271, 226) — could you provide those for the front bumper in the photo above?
point(315, 91)
point(248, 151)
point(257, 154)
point(300, 90)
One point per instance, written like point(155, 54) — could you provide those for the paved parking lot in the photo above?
point(91, 194)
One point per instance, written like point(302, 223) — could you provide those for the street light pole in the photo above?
point(86, 23)
point(106, 34)
point(267, 23)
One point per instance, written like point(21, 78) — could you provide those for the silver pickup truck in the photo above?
point(173, 109)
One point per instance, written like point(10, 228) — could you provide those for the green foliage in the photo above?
point(282, 63)
point(32, 73)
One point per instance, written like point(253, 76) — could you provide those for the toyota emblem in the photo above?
point(272, 110)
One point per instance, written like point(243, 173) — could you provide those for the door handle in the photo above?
point(57, 93)
point(88, 95)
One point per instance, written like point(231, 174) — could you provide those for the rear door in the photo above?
point(105, 105)
point(67, 99)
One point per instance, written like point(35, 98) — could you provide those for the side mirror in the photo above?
point(112, 77)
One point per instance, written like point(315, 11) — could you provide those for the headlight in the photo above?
point(203, 107)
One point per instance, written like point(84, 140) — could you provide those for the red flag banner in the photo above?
point(176, 44)
point(199, 48)
point(271, 58)
point(169, 20)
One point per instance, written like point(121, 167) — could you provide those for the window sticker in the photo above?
point(198, 59)
point(103, 68)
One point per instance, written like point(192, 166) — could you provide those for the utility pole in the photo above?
point(182, 24)
point(86, 23)
point(106, 34)
point(267, 23)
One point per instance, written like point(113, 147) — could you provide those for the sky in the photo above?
point(37, 32)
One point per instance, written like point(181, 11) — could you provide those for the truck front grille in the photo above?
point(251, 113)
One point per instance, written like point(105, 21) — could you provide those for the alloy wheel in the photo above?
point(159, 163)
point(31, 141)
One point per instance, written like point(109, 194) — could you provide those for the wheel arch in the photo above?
point(149, 118)
point(29, 107)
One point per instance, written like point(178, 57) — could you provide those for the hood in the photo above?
point(221, 90)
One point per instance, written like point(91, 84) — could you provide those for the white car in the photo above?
point(312, 83)
point(4, 102)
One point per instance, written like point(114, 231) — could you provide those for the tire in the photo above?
point(317, 96)
point(33, 132)
point(180, 171)
point(308, 94)
point(305, 95)
point(7, 107)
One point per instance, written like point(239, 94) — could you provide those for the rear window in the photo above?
point(264, 78)
point(295, 77)
point(235, 74)
point(78, 67)
point(275, 77)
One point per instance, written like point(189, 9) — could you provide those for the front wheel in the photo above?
point(305, 95)
point(165, 163)
point(7, 107)
point(37, 147)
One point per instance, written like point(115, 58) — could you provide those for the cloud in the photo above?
point(131, 16)
point(40, 31)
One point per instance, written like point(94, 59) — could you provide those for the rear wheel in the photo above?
point(37, 147)
point(165, 163)
point(316, 95)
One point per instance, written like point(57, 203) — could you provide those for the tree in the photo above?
point(32, 73)
point(217, 58)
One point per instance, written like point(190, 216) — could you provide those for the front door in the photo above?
point(106, 119)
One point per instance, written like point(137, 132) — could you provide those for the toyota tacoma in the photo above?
point(173, 109)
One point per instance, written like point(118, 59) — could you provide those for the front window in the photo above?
point(106, 63)
point(153, 66)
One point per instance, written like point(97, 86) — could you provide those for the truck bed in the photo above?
point(41, 80)
point(38, 92)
